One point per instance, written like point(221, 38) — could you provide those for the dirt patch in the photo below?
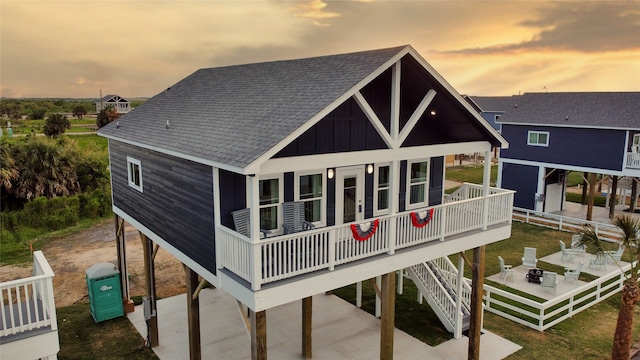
point(69, 257)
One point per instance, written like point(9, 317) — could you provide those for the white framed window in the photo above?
point(538, 138)
point(134, 173)
point(381, 189)
point(417, 183)
point(310, 188)
point(635, 147)
point(270, 192)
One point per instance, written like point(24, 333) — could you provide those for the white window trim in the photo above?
point(537, 132)
point(382, 212)
point(408, 204)
point(323, 200)
point(278, 230)
point(130, 161)
point(635, 143)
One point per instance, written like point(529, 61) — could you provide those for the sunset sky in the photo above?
point(74, 49)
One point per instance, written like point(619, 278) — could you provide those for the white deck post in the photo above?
point(485, 188)
point(394, 186)
point(359, 294)
point(378, 302)
point(254, 215)
point(460, 279)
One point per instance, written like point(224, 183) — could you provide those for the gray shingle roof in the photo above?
point(580, 109)
point(494, 103)
point(232, 115)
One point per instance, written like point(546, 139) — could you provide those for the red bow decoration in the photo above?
point(418, 221)
point(361, 235)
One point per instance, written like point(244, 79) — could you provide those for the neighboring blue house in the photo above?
point(212, 169)
point(492, 107)
point(551, 134)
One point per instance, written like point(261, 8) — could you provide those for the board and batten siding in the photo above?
point(524, 180)
point(591, 148)
point(176, 202)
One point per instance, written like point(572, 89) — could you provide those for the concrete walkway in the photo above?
point(340, 331)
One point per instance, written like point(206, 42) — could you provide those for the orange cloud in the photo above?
point(315, 10)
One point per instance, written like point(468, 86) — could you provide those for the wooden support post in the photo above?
point(388, 315)
point(592, 193)
point(121, 250)
point(307, 315)
point(475, 322)
point(193, 314)
point(150, 285)
point(584, 189)
point(258, 335)
point(613, 192)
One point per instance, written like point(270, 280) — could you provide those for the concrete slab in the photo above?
point(556, 258)
point(340, 331)
point(520, 283)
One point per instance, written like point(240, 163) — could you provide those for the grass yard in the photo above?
point(471, 174)
point(91, 140)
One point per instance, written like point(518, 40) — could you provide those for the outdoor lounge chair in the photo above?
point(549, 280)
point(293, 220)
point(576, 246)
point(529, 259)
point(615, 256)
point(242, 222)
point(600, 260)
point(567, 255)
point(573, 274)
point(505, 270)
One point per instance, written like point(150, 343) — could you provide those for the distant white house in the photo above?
point(119, 103)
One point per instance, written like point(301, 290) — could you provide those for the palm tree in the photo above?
point(630, 227)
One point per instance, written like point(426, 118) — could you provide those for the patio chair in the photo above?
point(505, 270)
point(573, 274)
point(549, 280)
point(567, 255)
point(529, 259)
point(242, 222)
point(293, 217)
point(615, 256)
point(576, 247)
point(600, 260)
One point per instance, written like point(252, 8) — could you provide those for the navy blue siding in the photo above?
point(368, 196)
point(378, 95)
point(403, 187)
point(524, 180)
point(344, 129)
point(289, 191)
point(435, 181)
point(331, 201)
point(232, 195)
point(594, 148)
point(177, 202)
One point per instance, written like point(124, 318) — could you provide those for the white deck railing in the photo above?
point(541, 316)
point(28, 304)
point(283, 257)
point(633, 160)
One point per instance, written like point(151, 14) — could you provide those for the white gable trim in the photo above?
point(332, 160)
point(413, 120)
point(373, 118)
point(395, 100)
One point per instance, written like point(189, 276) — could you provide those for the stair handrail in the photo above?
point(437, 291)
point(449, 272)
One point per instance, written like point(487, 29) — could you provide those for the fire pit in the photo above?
point(534, 276)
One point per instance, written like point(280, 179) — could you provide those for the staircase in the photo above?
point(437, 281)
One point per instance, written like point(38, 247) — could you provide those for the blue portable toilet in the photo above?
point(105, 294)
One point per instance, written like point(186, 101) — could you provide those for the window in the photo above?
point(310, 190)
point(417, 183)
point(269, 193)
point(381, 199)
point(134, 173)
point(538, 138)
point(636, 143)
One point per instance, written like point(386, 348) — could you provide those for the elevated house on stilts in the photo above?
point(281, 180)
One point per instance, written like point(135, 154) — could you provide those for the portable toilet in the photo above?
point(105, 297)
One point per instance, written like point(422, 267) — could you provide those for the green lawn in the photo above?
point(472, 174)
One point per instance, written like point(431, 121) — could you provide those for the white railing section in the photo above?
point(450, 273)
point(633, 160)
point(28, 304)
point(541, 316)
point(437, 293)
point(564, 223)
point(282, 257)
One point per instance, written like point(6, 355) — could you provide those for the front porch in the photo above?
point(466, 220)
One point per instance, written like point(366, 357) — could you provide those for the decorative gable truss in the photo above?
point(405, 102)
